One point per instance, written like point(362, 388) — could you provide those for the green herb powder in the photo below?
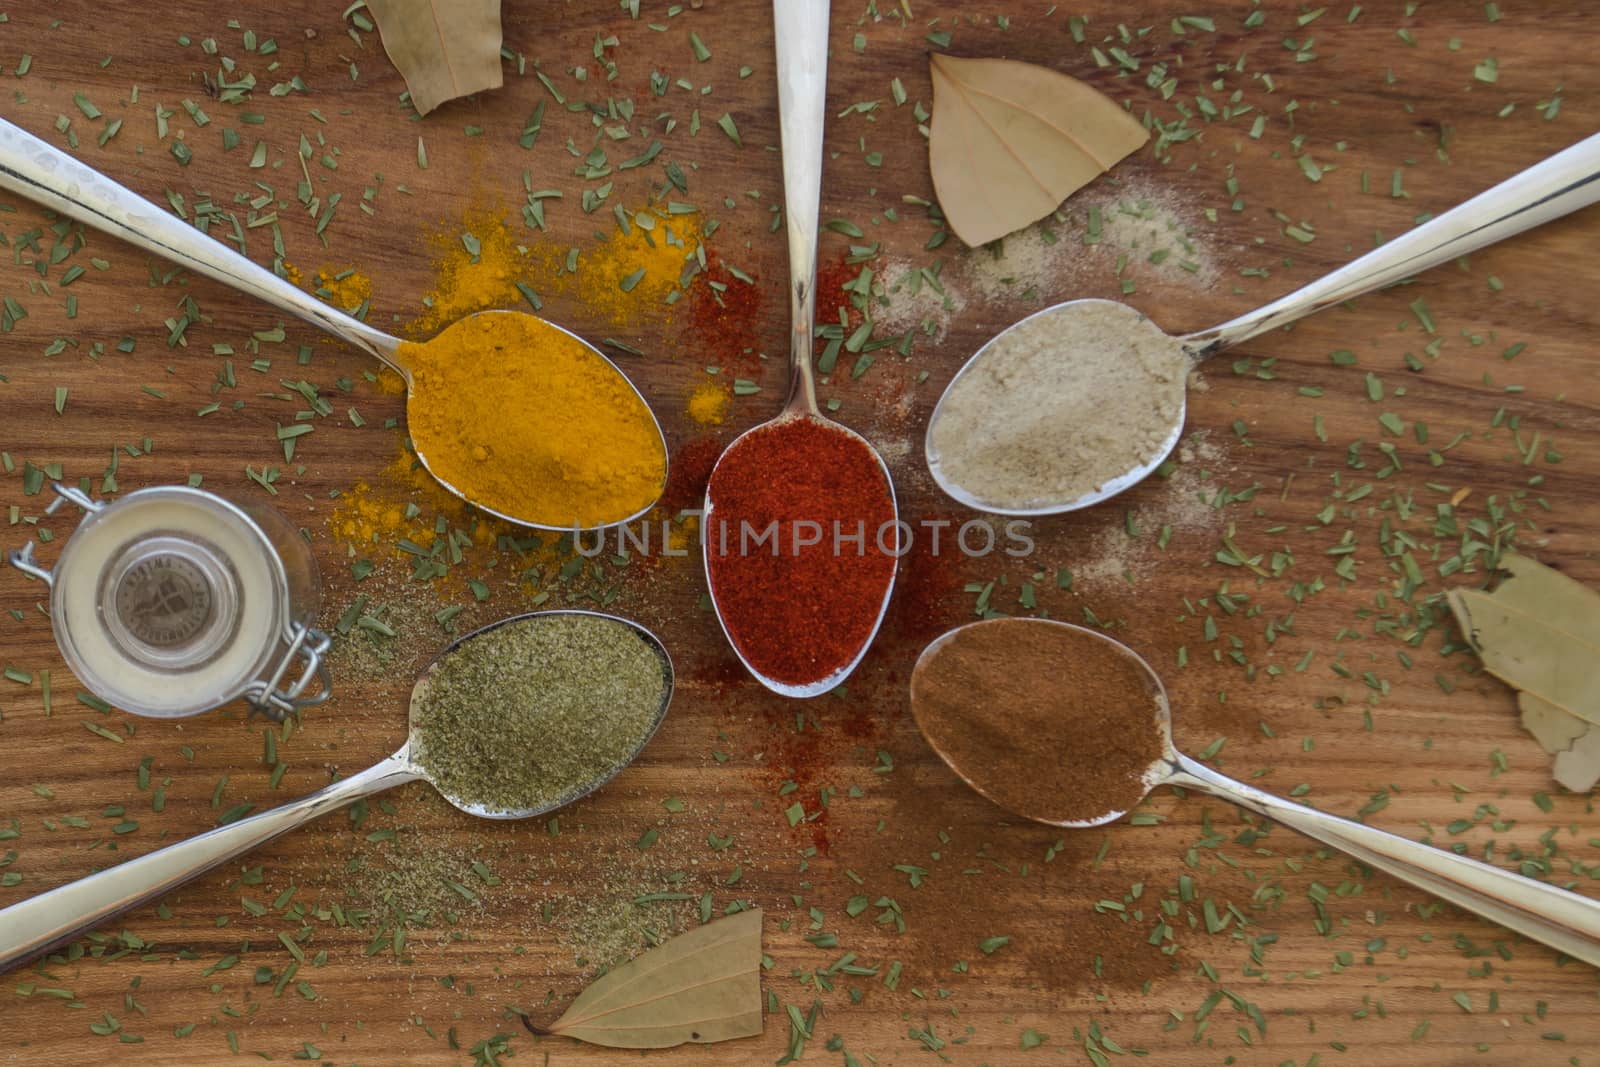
point(532, 713)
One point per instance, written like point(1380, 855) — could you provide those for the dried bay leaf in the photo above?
point(702, 986)
point(1539, 631)
point(1010, 141)
point(442, 48)
point(1578, 768)
point(1549, 725)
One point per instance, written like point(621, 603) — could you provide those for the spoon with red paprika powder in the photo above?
point(800, 537)
point(1066, 726)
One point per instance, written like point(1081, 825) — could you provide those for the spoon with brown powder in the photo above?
point(513, 720)
point(1066, 726)
point(547, 375)
point(1075, 403)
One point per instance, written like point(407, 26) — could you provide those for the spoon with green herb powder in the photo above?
point(511, 721)
point(1064, 725)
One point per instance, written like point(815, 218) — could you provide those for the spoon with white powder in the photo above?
point(1076, 403)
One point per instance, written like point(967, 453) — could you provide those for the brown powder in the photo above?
point(1047, 720)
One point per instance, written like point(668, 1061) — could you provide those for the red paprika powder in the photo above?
point(725, 317)
point(800, 547)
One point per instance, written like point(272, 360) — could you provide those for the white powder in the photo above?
point(915, 298)
point(1130, 230)
point(1059, 404)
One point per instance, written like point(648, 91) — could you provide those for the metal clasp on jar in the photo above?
point(302, 642)
point(23, 558)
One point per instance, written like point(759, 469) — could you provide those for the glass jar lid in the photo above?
point(169, 602)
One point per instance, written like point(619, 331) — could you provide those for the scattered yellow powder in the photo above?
point(476, 267)
point(363, 519)
point(708, 404)
point(641, 269)
point(345, 289)
point(404, 503)
point(681, 537)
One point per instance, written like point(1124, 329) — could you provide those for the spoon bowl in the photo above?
point(419, 691)
point(1141, 466)
point(833, 678)
point(37, 170)
point(1560, 918)
point(422, 445)
point(983, 778)
point(51, 918)
point(1557, 186)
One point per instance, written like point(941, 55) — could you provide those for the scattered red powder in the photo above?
point(925, 585)
point(725, 317)
point(832, 277)
point(687, 473)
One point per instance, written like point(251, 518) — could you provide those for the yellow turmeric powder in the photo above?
point(708, 403)
point(527, 421)
point(345, 289)
point(640, 270)
point(476, 267)
point(402, 504)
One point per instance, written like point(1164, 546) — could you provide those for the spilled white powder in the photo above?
point(916, 298)
point(1059, 404)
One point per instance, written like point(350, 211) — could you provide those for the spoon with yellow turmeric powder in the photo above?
point(513, 414)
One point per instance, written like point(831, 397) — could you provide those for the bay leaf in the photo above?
point(1539, 631)
point(1553, 728)
point(1578, 768)
point(1010, 141)
point(442, 48)
point(702, 986)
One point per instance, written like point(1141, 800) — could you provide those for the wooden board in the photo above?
point(1309, 957)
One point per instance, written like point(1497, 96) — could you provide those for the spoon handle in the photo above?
point(1560, 918)
point(43, 922)
point(37, 170)
point(802, 47)
point(1558, 186)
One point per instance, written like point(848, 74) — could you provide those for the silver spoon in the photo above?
point(802, 50)
point(1548, 190)
point(1561, 919)
point(40, 923)
point(37, 170)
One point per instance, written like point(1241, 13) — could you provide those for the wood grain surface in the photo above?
point(1277, 952)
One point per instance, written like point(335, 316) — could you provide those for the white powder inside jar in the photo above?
point(1059, 404)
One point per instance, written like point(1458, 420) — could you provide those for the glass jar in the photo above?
point(171, 601)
